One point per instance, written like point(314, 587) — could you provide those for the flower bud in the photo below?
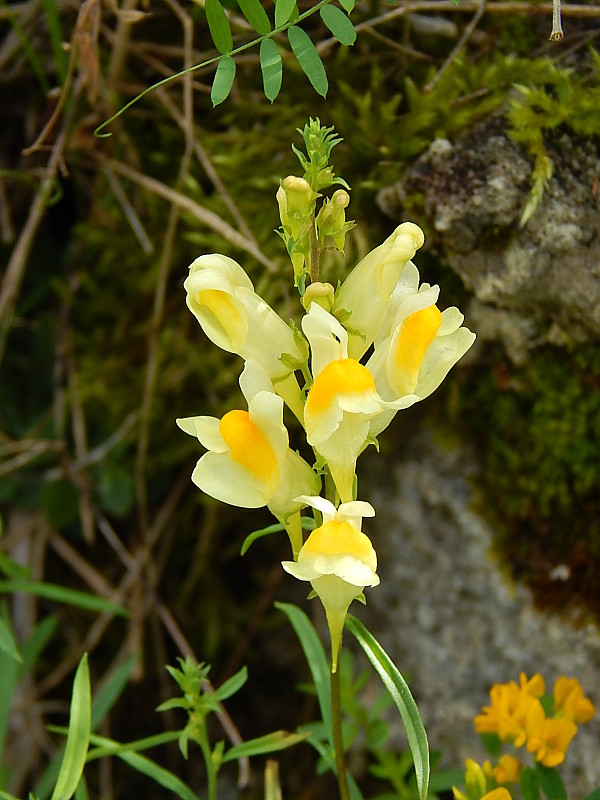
point(320, 293)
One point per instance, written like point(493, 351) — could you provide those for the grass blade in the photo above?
point(61, 594)
point(78, 736)
point(402, 697)
point(316, 659)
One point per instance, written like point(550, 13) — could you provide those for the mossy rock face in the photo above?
point(473, 194)
point(538, 429)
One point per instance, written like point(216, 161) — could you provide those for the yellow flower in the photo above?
point(222, 298)
point(570, 701)
point(249, 462)
point(510, 705)
point(508, 769)
point(478, 779)
point(366, 292)
point(547, 738)
point(416, 346)
point(501, 793)
point(342, 399)
point(338, 560)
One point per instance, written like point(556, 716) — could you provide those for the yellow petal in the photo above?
point(221, 306)
point(344, 376)
point(249, 446)
point(411, 341)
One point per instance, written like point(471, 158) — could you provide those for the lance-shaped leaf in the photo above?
point(218, 25)
point(271, 68)
point(78, 736)
point(402, 697)
point(223, 80)
point(256, 16)
point(347, 5)
point(309, 59)
point(339, 24)
point(278, 740)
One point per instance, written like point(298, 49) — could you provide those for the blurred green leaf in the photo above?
point(115, 489)
point(272, 74)
point(551, 782)
point(315, 658)
point(398, 689)
point(223, 80)
point(7, 641)
point(347, 5)
point(309, 59)
point(60, 501)
point(278, 740)
point(78, 736)
point(339, 24)
point(111, 690)
point(231, 685)
point(11, 569)
point(61, 594)
point(530, 784)
point(219, 27)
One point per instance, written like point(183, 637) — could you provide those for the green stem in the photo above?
point(211, 772)
point(336, 719)
point(315, 252)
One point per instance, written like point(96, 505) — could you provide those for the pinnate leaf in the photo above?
point(256, 16)
point(309, 59)
point(223, 80)
point(271, 67)
point(339, 24)
point(218, 25)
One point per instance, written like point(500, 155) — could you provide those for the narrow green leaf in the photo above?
point(272, 72)
point(398, 689)
point(9, 567)
point(530, 784)
point(78, 736)
point(551, 782)
point(7, 796)
point(256, 16)
point(232, 685)
point(218, 25)
point(7, 642)
point(339, 24)
point(283, 11)
point(278, 740)
point(146, 766)
point(347, 5)
point(61, 594)
point(111, 689)
point(61, 59)
point(315, 658)
point(309, 59)
point(117, 749)
point(223, 80)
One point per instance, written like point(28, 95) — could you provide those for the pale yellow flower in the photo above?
point(222, 298)
point(342, 399)
point(416, 346)
point(338, 560)
point(363, 297)
point(249, 462)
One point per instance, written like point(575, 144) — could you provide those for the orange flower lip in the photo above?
point(344, 376)
point(249, 445)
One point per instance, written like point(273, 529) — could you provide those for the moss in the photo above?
point(539, 428)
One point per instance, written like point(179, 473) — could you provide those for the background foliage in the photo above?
point(98, 353)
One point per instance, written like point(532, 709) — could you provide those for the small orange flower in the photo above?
point(570, 701)
point(508, 769)
point(548, 739)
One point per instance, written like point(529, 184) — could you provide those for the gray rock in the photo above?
point(448, 615)
point(472, 194)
